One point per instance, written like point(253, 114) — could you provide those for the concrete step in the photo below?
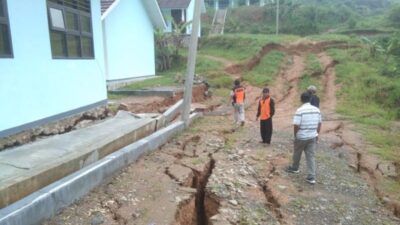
point(26, 169)
point(156, 91)
point(218, 23)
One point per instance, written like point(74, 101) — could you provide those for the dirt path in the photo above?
point(229, 66)
point(285, 91)
point(212, 175)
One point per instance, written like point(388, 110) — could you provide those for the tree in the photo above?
point(373, 47)
point(168, 45)
point(394, 16)
point(177, 37)
point(164, 51)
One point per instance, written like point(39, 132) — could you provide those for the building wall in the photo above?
point(129, 41)
point(190, 15)
point(33, 86)
point(168, 19)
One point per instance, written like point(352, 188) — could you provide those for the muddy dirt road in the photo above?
point(211, 174)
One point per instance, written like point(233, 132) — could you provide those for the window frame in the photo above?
point(4, 20)
point(66, 31)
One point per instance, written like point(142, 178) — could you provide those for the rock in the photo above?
point(216, 217)
point(187, 189)
point(282, 187)
point(243, 172)
point(123, 107)
point(233, 202)
point(178, 199)
point(97, 218)
point(387, 169)
point(82, 124)
point(135, 215)
point(241, 152)
point(385, 200)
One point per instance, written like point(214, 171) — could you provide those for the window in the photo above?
point(5, 34)
point(70, 25)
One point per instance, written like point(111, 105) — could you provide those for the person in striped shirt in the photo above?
point(307, 125)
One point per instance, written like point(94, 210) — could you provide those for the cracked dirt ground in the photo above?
point(211, 174)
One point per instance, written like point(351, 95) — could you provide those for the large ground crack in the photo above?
point(202, 205)
point(272, 200)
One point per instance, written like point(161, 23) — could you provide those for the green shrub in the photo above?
point(394, 16)
point(369, 98)
point(221, 81)
point(239, 47)
point(266, 71)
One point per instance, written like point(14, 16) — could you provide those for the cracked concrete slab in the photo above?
point(30, 167)
point(47, 201)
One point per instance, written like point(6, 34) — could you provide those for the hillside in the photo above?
point(303, 17)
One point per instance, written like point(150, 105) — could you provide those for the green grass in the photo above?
point(312, 73)
point(265, 73)
point(361, 99)
point(239, 47)
point(164, 80)
point(391, 186)
point(330, 37)
point(172, 76)
point(222, 81)
point(205, 65)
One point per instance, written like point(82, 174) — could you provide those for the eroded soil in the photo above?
point(216, 173)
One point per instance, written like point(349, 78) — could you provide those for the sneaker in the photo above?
point(292, 170)
point(310, 180)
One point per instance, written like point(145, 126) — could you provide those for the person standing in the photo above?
point(238, 96)
point(306, 127)
point(265, 112)
point(314, 98)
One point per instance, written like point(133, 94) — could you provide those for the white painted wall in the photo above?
point(34, 86)
point(129, 41)
point(168, 19)
point(190, 15)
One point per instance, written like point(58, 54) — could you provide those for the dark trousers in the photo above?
point(266, 130)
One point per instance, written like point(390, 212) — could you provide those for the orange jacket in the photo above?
point(238, 95)
point(266, 108)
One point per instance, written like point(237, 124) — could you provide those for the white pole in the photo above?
point(191, 64)
point(277, 17)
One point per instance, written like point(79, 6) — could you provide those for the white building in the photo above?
point(180, 11)
point(51, 61)
point(128, 33)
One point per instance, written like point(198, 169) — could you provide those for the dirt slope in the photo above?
point(213, 175)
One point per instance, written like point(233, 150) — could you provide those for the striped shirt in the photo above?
point(307, 117)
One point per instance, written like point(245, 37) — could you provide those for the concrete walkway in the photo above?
point(26, 169)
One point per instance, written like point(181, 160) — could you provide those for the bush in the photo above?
point(352, 23)
point(221, 81)
point(394, 16)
